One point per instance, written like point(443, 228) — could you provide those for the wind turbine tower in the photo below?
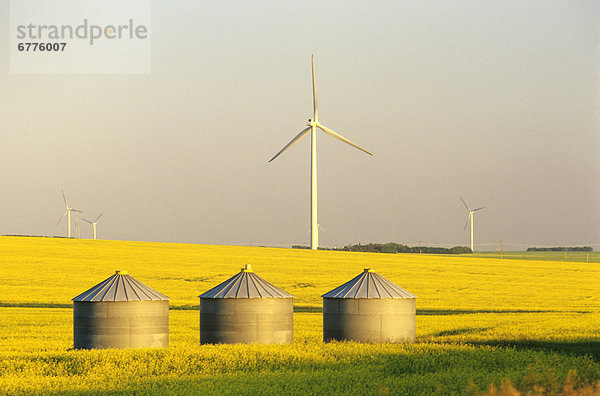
point(77, 234)
point(312, 126)
point(470, 217)
point(94, 223)
point(68, 211)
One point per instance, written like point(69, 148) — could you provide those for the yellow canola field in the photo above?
point(453, 353)
point(481, 323)
point(52, 271)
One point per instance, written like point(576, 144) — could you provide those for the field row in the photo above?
point(582, 257)
point(26, 330)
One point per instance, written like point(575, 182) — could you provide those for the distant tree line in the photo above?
point(561, 249)
point(395, 248)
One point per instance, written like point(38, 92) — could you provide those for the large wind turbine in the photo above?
point(93, 223)
point(312, 128)
point(470, 218)
point(68, 211)
point(77, 235)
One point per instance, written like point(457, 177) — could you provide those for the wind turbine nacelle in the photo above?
point(311, 123)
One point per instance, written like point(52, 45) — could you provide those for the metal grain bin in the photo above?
point(369, 308)
point(120, 312)
point(246, 309)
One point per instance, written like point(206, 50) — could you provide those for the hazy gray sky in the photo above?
point(497, 102)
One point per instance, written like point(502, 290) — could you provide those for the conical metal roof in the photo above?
point(246, 284)
point(120, 287)
point(369, 284)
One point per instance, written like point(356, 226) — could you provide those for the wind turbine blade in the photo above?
point(340, 137)
point(467, 223)
point(315, 105)
point(483, 207)
point(464, 203)
point(75, 210)
point(294, 140)
point(86, 220)
point(62, 217)
point(64, 199)
point(99, 216)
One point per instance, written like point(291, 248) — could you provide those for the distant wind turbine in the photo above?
point(68, 211)
point(312, 128)
point(470, 218)
point(94, 223)
point(320, 228)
